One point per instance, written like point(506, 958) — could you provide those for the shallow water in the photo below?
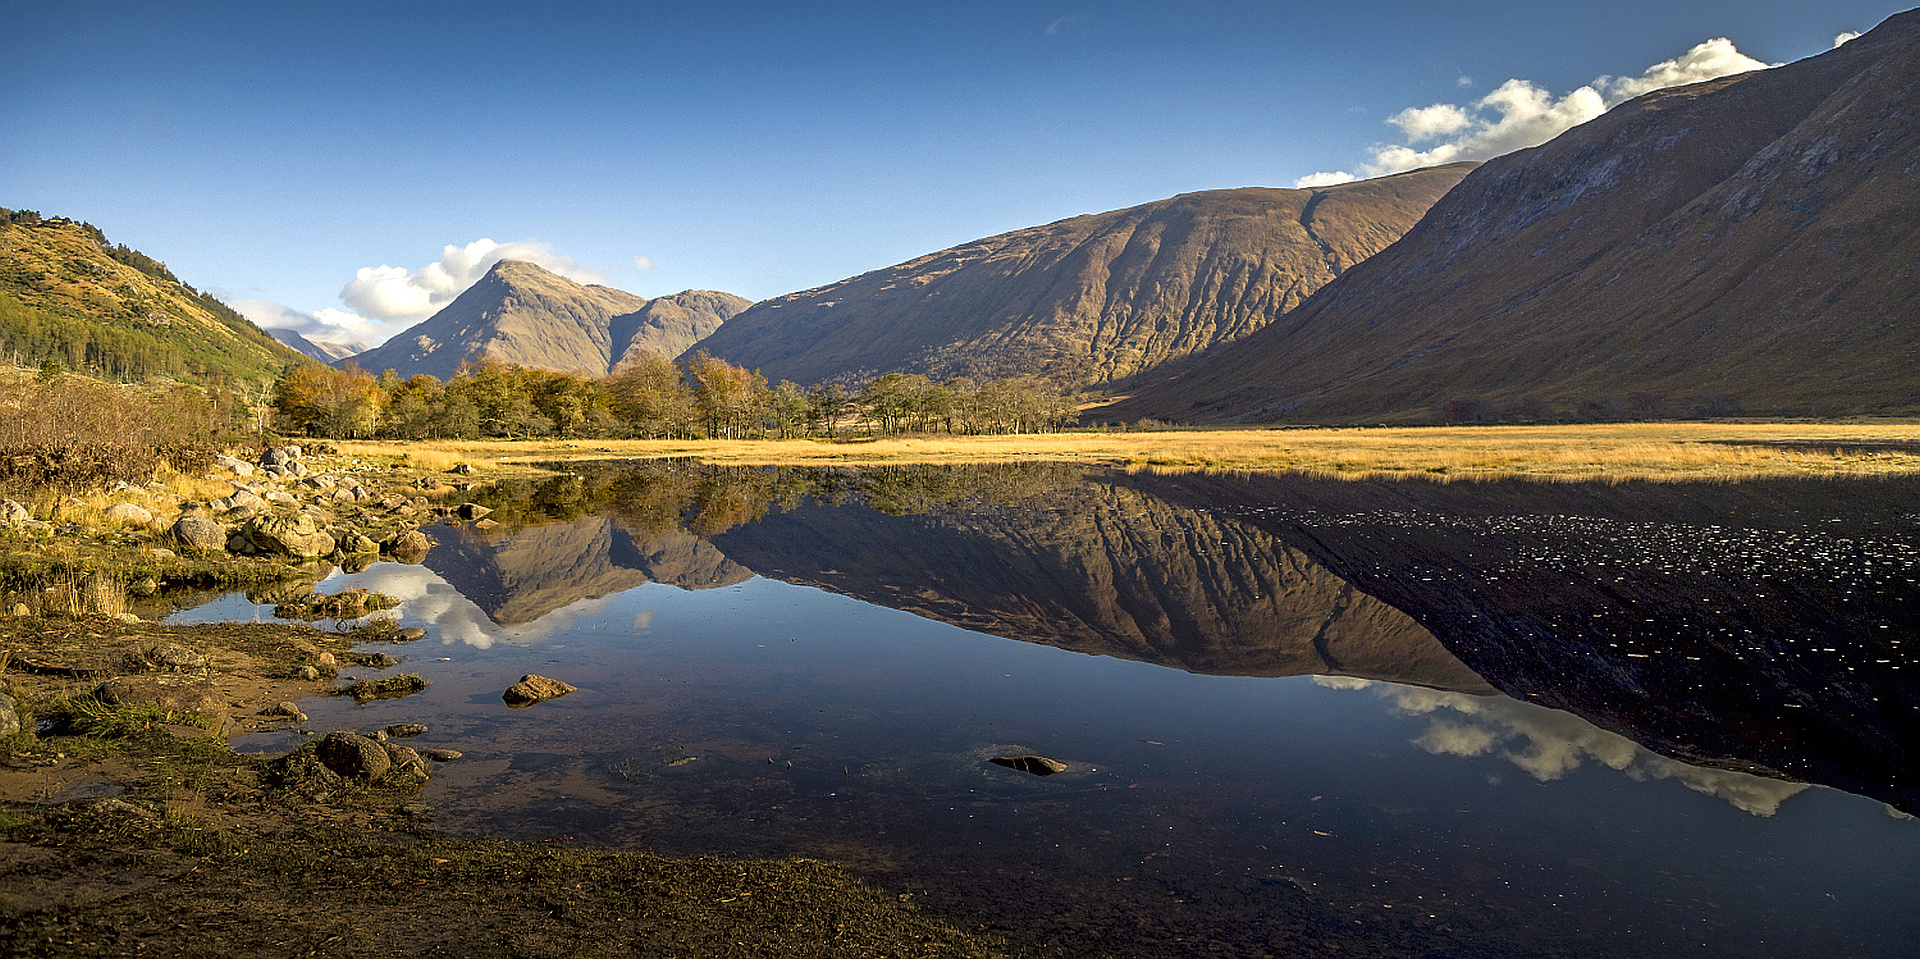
point(1257, 684)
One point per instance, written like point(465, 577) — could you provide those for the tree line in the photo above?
point(651, 398)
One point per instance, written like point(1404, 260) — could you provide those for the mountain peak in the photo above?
point(522, 313)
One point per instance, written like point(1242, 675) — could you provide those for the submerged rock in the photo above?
point(1037, 765)
point(533, 689)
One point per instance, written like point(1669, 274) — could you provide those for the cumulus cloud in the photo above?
point(1549, 744)
point(1519, 114)
point(323, 326)
point(398, 296)
point(1330, 178)
point(642, 263)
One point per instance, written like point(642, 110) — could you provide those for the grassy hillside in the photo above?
point(70, 297)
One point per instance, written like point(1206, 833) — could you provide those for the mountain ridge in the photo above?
point(522, 314)
point(1088, 299)
point(1746, 244)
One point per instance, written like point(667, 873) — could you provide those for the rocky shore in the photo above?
point(128, 825)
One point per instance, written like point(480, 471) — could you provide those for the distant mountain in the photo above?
point(69, 296)
point(324, 352)
point(1749, 244)
point(671, 325)
point(1091, 299)
point(520, 313)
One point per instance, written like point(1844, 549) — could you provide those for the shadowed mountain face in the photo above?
point(1749, 243)
point(1766, 627)
point(1087, 300)
point(519, 313)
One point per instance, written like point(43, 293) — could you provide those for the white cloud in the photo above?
point(324, 326)
point(1520, 114)
point(1842, 39)
point(398, 297)
point(642, 263)
point(1324, 179)
point(1706, 61)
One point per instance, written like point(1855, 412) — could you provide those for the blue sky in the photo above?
point(281, 153)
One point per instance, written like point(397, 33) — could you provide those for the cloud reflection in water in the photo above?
point(1548, 744)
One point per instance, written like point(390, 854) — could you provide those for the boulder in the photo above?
point(353, 755)
point(12, 512)
point(350, 543)
point(199, 534)
point(318, 481)
point(9, 716)
point(241, 499)
point(534, 689)
point(164, 656)
point(286, 709)
point(444, 755)
point(407, 546)
point(129, 513)
point(173, 692)
point(471, 511)
point(403, 730)
point(237, 467)
point(287, 534)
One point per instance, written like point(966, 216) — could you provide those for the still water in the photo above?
point(1279, 701)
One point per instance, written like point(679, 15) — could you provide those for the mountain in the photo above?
point(520, 313)
point(324, 352)
point(69, 296)
point(1749, 244)
point(671, 325)
point(1091, 299)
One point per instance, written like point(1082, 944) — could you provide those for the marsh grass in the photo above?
point(1617, 452)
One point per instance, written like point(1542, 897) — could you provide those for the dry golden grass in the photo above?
point(1659, 451)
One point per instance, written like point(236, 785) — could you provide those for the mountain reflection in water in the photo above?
point(732, 703)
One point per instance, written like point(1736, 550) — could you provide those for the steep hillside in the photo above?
point(1088, 300)
point(670, 325)
point(69, 296)
point(1750, 244)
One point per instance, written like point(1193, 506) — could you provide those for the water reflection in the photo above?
point(821, 662)
point(1548, 744)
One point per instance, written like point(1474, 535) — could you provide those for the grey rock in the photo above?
point(287, 709)
point(12, 512)
point(199, 534)
point(443, 755)
point(404, 730)
point(284, 534)
point(129, 513)
point(9, 715)
point(353, 755)
point(471, 511)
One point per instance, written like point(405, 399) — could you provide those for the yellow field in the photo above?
point(1661, 451)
